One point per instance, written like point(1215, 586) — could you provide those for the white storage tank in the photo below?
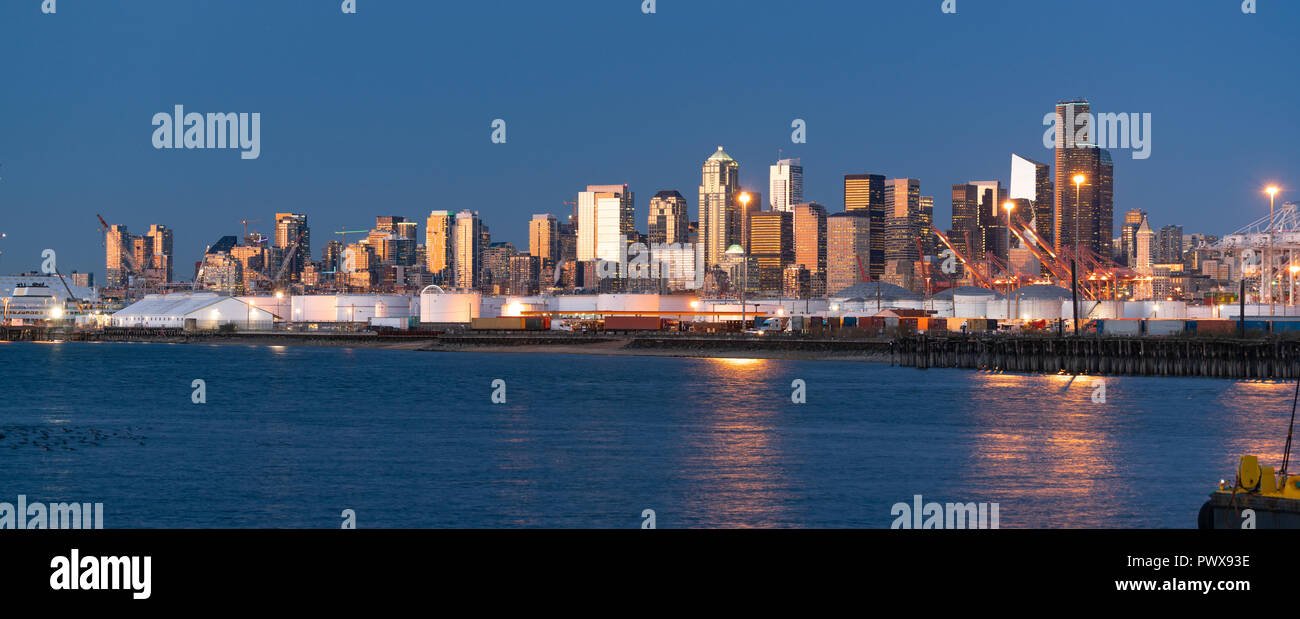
point(439, 306)
point(628, 303)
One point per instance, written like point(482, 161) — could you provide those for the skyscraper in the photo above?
point(668, 219)
point(544, 238)
point(719, 221)
point(771, 248)
point(291, 230)
point(991, 219)
point(1142, 260)
point(848, 246)
point(467, 249)
point(965, 233)
point(866, 192)
point(785, 184)
point(1169, 244)
point(1090, 222)
point(117, 256)
point(902, 230)
point(604, 213)
point(810, 244)
point(439, 246)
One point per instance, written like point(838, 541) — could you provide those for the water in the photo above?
point(291, 437)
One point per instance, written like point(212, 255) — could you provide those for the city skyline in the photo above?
point(342, 184)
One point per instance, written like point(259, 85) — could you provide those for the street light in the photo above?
point(1009, 206)
point(1271, 190)
point(736, 250)
point(1074, 264)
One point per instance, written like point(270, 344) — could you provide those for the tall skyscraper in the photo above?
point(810, 244)
point(866, 192)
point(785, 184)
point(990, 220)
point(1084, 216)
point(668, 219)
point(467, 249)
point(747, 204)
point(439, 246)
point(291, 229)
point(604, 213)
point(544, 238)
point(925, 223)
point(159, 248)
point(771, 248)
point(848, 247)
point(1169, 244)
point(902, 230)
point(719, 220)
point(117, 264)
point(965, 233)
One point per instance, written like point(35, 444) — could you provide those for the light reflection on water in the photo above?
point(291, 436)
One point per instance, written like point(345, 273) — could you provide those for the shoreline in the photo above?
point(628, 346)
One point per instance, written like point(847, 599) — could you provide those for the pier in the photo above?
point(1217, 358)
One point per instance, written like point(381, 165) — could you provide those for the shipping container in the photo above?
point(1212, 327)
point(633, 323)
point(512, 323)
point(1166, 327)
point(1119, 327)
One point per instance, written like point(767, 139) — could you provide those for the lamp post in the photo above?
point(1009, 206)
point(736, 250)
point(1074, 264)
point(1271, 190)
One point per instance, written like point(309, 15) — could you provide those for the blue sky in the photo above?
point(389, 111)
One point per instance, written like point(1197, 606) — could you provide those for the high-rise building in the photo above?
point(1084, 213)
point(965, 233)
point(719, 220)
point(866, 192)
point(525, 271)
point(991, 219)
point(668, 218)
point(902, 229)
point(605, 212)
point(466, 247)
point(159, 260)
point(1169, 244)
point(544, 238)
point(848, 247)
point(785, 184)
point(494, 276)
point(293, 241)
point(810, 244)
point(929, 242)
point(771, 248)
point(117, 256)
point(440, 245)
point(1032, 181)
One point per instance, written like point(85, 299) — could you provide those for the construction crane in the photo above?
point(246, 222)
point(287, 260)
point(974, 270)
point(130, 258)
point(80, 308)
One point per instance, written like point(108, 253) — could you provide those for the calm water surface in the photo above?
point(290, 437)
